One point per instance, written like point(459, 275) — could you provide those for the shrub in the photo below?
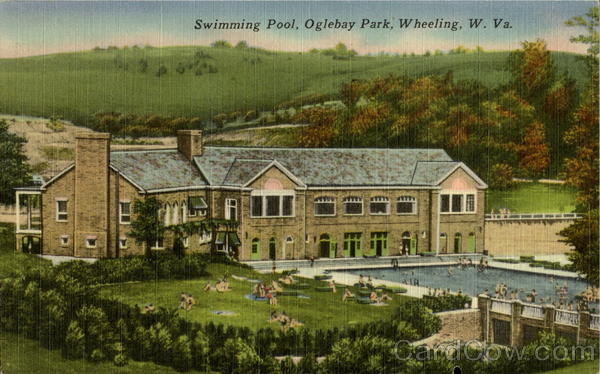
point(447, 302)
point(121, 360)
point(181, 353)
point(97, 355)
point(200, 351)
point(367, 354)
point(419, 316)
point(501, 177)
point(74, 341)
point(160, 343)
point(236, 357)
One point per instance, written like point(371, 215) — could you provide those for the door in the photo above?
point(405, 243)
point(324, 246)
point(352, 242)
point(272, 249)
point(443, 243)
point(413, 246)
point(472, 243)
point(332, 249)
point(501, 330)
point(379, 243)
point(255, 249)
point(457, 243)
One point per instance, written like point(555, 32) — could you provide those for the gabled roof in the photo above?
point(156, 170)
point(318, 166)
point(429, 173)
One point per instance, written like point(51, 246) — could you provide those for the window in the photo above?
point(379, 205)
point(184, 212)
point(186, 242)
point(90, 242)
point(288, 206)
point(167, 217)
point(231, 209)
point(123, 243)
point(197, 206)
point(353, 206)
point(470, 203)
point(256, 203)
point(64, 240)
point(61, 210)
point(255, 245)
point(205, 237)
point(125, 212)
point(272, 205)
point(325, 206)
point(158, 244)
point(289, 240)
point(406, 205)
point(445, 203)
point(175, 214)
point(457, 203)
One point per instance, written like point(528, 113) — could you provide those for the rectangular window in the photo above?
point(205, 237)
point(445, 203)
point(406, 205)
point(288, 206)
point(457, 203)
point(125, 212)
point(272, 206)
point(61, 210)
point(325, 206)
point(158, 244)
point(353, 206)
point(470, 203)
point(231, 209)
point(186, 242)
point(379, 205)
point(256, 203)
point(196, 206)
point(123, 243)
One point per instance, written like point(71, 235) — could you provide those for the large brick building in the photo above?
point(289, 202)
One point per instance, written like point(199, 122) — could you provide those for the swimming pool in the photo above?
point(474, 283)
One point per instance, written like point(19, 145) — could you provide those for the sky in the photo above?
point(37, 28)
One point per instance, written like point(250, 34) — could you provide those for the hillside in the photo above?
point(212, 80)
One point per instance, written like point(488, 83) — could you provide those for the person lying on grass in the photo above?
point(347, 295)
point(385, 297)
point(373, 297)
point(275, 286)
point(208, 287)
point(186, 301)
point(222, 286)
point(259, 290)
point(288, 279)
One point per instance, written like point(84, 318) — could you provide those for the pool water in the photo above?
point(474, 283)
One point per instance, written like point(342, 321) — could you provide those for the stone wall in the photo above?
point(525, 237)
point(464, 325)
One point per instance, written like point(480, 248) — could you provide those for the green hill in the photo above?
point(212, 80)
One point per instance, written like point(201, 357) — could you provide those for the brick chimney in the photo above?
point(189, 143)
point(92, 157)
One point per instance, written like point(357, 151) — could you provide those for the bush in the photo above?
point(501, 177)
point(445, 303)
point(419, 316)
point(74, 341)
point(120, 360)
point(237, 357)
point(97, 356)
point(367, 354)
point(200, 351)
point(181, 353)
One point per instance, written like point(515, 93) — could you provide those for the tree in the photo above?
point(501, 177)
point(221, 44)
point(237, 357)
point(534, 155)
point(146, 226)
point(532, 69)
point(582, 169)
point(13, 163)
point(373, 355)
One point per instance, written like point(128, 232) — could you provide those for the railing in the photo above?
point(566, 317)
point(595, 322)
point(501, 307)
point(530, 216)
point(532, 311)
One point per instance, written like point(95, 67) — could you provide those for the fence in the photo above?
point(531, 216)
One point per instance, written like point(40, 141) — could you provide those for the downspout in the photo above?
point(304, 218)
point(117, 227)
point(437, 239)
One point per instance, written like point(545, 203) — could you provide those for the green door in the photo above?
point(332, 249)
point(352, 242)
point(472, 245)
point(457, 243)
point(272, 249)
point(413, 246)
point(255, 249)
point(379, 245)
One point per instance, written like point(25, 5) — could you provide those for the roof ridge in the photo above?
point(165, 150)
point(326, 148)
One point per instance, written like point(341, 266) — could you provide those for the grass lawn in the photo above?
point(19, 355)
point(588, 367)
point(321, 310)
point(533, 198)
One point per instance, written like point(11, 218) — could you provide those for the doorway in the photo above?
point(272, 249)
point(405, 243)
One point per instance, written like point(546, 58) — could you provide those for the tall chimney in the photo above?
point(189, 143)
point(92, 157)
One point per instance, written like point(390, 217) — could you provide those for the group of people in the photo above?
point(285, 321)
point(261, 291)
point(368, 283)
point(186, 301)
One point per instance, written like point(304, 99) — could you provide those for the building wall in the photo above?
point(526, 238)
point(62, 188)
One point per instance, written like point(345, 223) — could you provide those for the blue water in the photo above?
point(474, 283)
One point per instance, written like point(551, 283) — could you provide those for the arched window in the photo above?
point(167, 220)
point(289, 240)
point(272, 249)
point(325, 206)
point(353, 205)
point(406, 205)
point(175, 214)
point(255, 246)
point(184, 212)
point(443, 242)
point(379, 205)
